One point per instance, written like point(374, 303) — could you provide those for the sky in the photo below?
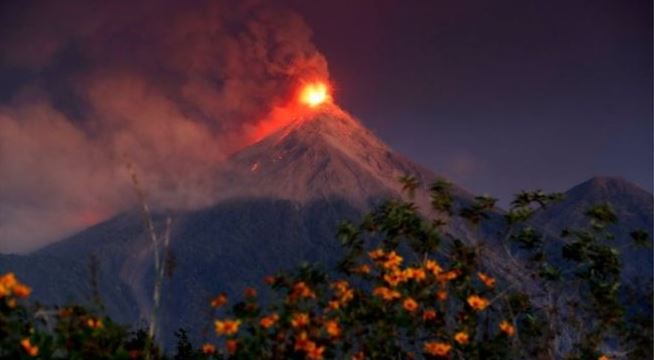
point(498, 96)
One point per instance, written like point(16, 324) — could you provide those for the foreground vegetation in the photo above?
point(406, 288)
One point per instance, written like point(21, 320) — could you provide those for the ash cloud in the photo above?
point(171, 87)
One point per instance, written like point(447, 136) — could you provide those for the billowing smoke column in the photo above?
point(171, 87)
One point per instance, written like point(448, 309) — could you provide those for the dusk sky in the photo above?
point(502, 95)
point(498, 96)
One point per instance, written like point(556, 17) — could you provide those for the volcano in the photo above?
point(280, 202)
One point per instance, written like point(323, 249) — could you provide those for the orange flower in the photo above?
point(9, 285)
point(345, 293)
point(21, 291)
point(8, 280)
point(395, 278)
point(461, 337)
point(30, 349)
point(433, 267)
point(359, 356)
point(333, 305)
point(333, 329)
point(507, 328)
point(376, 254)
point(392, 261)
point(227, 327)
point(219, 301)
point(300, 320)
point(437, 348)
point(487, 280)
point(362, 269)
point(208, 349)
point(449, 275)
point(315, 352)
point(441, 295)
point(416, 274)
point(429, 314)
point(410, 305)
point(302, 342)
point(94, 323)
point(268, 321)
point(386, 293)
point(301, 290)
point(250, 292)
point(477, 302)
point(270, 280)
point(603, 357)
point(231, 346)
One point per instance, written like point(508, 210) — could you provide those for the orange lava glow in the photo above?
point(310, 99)
point(314, 94)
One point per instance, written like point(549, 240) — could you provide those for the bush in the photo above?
point(406, 288)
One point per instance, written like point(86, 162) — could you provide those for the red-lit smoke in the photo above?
point(171, 87)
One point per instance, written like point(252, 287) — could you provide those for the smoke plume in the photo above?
point(170, 87)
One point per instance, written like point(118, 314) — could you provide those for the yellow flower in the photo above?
point(300, 320)
point(507, 328)
point(30, 349)
point(227, 327)
point(487, 280)
point(268, 321)
point(410, 305)
point(333, 329)
point(477, 302)
point(386, 293)
point(208, 349)
point(461, 337)
point(219, 301)
point(437, 348)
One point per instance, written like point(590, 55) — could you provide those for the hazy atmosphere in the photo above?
point(494, 101)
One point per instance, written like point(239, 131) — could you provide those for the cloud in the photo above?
point(171, 87)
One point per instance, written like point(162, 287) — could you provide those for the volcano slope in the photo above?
point(280, 202)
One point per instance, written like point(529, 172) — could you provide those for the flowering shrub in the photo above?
point(406, 288)
point(60, 333)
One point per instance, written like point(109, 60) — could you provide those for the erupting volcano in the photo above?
point(314, 94)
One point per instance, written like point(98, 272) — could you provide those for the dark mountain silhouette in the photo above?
point(633, 206)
